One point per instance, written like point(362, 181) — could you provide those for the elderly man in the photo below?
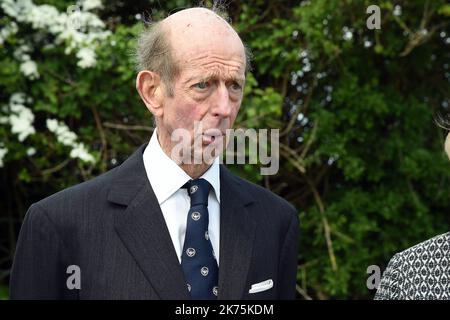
point(161, 226)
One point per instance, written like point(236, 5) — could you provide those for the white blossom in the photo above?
point(41, 16)
point(80, 152)
point(85, 34)
point(86, 58)
point(69, 138)
point(17, 98)
point(52, 124)
point(21, 124)
point(20, 118)
point(62, 132)
point(7, 31)
point(397, 10)
point(3, 152)
point(16, 8)
point(29, 69)
point(31, 151)
point(91, 4)
point(348, 33)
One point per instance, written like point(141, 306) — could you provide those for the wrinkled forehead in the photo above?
point(210, 53)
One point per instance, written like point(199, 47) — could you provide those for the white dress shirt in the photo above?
point(166, 179)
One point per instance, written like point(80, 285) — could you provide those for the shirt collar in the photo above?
point(166, 177)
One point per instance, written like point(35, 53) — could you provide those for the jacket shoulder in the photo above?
point(409, 269)
point(95, 189)
point(90, 188)
point(267, 198)
point(428, 248)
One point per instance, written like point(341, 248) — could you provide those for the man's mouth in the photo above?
point(211, 135)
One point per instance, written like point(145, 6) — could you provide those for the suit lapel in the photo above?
point(142, 229)
point(237, 231)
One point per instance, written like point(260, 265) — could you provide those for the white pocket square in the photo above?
point(261, 286)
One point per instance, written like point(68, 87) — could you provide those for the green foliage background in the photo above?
point(361, 157)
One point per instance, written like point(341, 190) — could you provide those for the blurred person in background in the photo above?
point(421, 272)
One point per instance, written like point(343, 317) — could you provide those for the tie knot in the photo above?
point(198, 191)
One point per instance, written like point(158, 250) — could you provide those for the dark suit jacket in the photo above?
point(112, 228)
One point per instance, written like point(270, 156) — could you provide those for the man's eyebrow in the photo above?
point(197, 78)
point(210, 77)
point(238, 79)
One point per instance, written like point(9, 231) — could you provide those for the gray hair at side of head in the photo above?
point(154, 52)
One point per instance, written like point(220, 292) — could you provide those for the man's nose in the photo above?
point(222, 105)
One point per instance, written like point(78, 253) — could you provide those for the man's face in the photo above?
point(208, 88)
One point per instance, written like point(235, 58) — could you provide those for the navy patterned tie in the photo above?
point(197, 260)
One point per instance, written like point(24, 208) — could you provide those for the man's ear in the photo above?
point(150, 88)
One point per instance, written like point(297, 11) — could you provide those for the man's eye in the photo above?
point(201, 85)
point(236, 86)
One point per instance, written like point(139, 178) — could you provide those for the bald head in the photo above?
point(193, 17)
point(200, 30)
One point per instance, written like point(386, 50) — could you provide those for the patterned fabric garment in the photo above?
point(198, 261)
point(421, 272)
